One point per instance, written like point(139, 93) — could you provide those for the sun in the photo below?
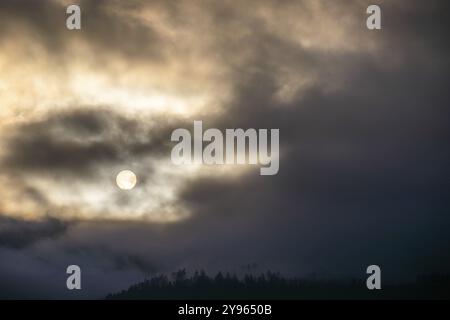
point(126, 180)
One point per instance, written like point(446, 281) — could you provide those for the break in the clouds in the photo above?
point(364, 130)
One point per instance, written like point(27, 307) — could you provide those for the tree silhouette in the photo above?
point(272, 285)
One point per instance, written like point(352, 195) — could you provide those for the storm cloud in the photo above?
point(364, 130)
point(17, 234)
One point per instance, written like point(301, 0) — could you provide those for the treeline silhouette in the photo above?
point(272, 285)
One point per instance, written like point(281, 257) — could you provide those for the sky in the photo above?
point(364, 128)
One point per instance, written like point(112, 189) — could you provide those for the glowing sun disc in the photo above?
point(126, 180)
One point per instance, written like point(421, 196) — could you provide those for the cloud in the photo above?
point(104, 27)
point(363, 119)
point(67, 161)
point(18, 234)
point(77, 141)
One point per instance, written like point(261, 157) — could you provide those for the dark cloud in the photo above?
point(363, 178)
point(364, 170)
point(18, 234)
point(104, 27)
point(77, 142)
